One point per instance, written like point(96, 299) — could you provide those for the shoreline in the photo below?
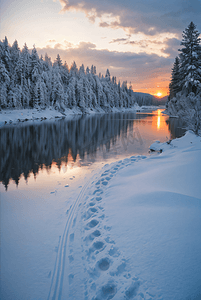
point(18, 116)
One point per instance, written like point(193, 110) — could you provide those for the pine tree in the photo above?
point(58, 61)
point(107, 75)
point(190, 58)
point(15, 54)
point(174, 86)
point(74, 69)
point(6, 55)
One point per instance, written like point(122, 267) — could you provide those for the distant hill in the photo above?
point(153, 99)
point(159, 101)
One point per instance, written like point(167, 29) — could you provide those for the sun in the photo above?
point(159, 94)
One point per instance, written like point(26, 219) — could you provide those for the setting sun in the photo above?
point(159, 94)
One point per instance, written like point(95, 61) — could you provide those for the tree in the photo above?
point(107, 75)
point(185, 87)
point(58, 61)
point(190, 58)
point(174, 86)
point(6, 54)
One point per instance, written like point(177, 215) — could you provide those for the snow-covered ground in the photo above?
point(10, 116)
point(132, 231)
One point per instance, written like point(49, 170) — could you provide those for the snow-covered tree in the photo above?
point(175, 86)
point(29, 81)
point(190, 60)
point(58, 61)
point(185, 87)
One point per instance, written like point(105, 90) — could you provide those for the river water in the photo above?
point(37, 154)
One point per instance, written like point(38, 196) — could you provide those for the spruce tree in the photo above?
point(175, 79)
point(190, 58)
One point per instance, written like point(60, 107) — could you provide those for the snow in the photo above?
point(10, 116)
point(132, 231)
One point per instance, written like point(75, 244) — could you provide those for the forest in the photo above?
point(27, 81)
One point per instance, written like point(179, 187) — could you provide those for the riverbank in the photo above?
point(142, 237)
point(131, 231)
point(15, 116)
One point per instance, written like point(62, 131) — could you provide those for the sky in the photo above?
point(137, 40)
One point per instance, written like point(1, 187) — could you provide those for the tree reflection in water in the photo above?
point(26, 149)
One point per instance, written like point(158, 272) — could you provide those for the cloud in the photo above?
point(58, 46)
point(119, 40)
point(152, 44)
point(149, 17)
point(171, 47)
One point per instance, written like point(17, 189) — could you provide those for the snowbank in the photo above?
point(9, 116)
point(141, 220)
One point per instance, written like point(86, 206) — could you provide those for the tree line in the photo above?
point(185, 87)
point(27, 81)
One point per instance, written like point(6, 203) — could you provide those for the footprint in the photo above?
point(98, 198)
point(98, 191)
point(113, 172)
point(92, 204)
point(70, 278)
point(109, 290)
point(74, 222)
point(92, 236)
point(98, 245)
point(107, 178)
point(92, 224)
point(132, 290)
point(71, 258)
point(71, 237)
point(104, 182)
point(96, 233)
point(102, 217)
point(67, 185)
point(104, 264)
point(121, 268)
point(89, 213)
point(107, 228)
point(109, 241)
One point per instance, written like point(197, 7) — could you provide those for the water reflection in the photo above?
point(28, 149)
point(176, 127)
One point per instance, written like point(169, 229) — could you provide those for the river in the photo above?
point(40, 153)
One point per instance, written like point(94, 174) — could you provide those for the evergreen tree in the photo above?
point(190, 58)
point(74, 69)
point(174, 86)
point(58, 61)
point(15, 54)
point(6, 55)
point(107, 75)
